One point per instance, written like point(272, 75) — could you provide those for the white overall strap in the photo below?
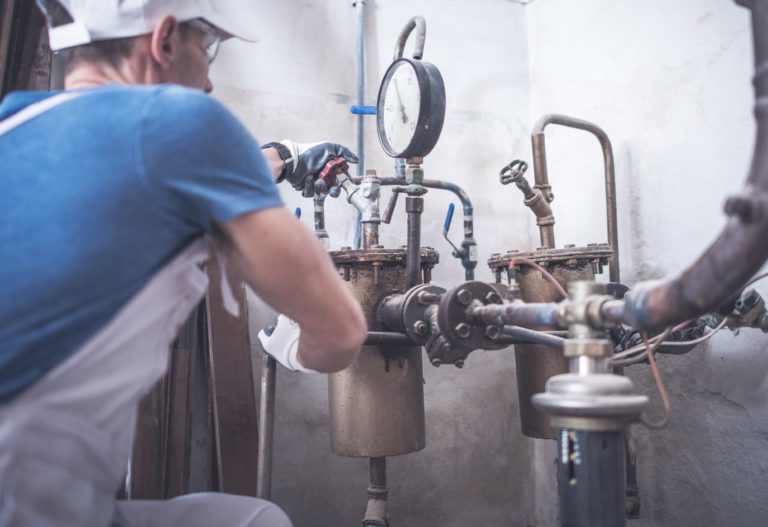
point(33, 110)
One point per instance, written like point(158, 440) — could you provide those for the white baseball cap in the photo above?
point(108, 19)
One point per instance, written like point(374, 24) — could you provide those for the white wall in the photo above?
point(670, 83)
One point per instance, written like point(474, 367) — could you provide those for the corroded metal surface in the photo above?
point(377, 404)
point(536, 363)
point(597, 253)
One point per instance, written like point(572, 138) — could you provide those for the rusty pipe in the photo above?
point(469, 242)
point(740, 249)
point(541, 175)
point(266, 427)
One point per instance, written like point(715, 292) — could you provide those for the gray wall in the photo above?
point(669, 81)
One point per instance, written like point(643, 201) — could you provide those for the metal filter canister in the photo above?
point(535, 364)
point(377, 404)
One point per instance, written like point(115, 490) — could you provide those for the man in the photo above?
point(108, 188)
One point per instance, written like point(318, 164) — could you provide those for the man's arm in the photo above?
point(274, 161)
point(286, 266)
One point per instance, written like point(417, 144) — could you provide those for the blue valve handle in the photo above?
point(448, 219)
point(297, 212)
point(363, 110)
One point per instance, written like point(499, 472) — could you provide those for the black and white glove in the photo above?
point(303, 160)
point(283, 343)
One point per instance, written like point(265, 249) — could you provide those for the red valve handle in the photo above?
point(333, 168)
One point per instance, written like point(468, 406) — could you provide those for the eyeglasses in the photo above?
point(211, 37)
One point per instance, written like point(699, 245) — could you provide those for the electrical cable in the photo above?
point(544, 272)
point(636, 354)
point(650, 350)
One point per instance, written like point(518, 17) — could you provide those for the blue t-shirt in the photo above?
point(96, 196)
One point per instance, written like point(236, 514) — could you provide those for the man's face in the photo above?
point(195, 44)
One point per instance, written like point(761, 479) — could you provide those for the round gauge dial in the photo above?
point(411, 108)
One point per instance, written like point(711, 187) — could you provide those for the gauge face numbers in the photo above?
point(401, 107)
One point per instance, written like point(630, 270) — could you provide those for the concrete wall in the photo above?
point(299, 82)
point(669, 81)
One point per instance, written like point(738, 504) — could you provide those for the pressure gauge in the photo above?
point(410, 108)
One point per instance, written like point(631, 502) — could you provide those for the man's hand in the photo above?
point(303, 160)
point(283, 343)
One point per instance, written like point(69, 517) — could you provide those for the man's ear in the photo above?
point(164, 42)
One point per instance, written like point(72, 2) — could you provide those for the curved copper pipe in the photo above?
point(741, 249)
point(541, 175)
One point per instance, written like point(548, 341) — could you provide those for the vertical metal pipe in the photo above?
point(266, 427)
point(414, 206)
point(541, 182)
point(376, 512)
point(591, 478)
point(360, 9)
point(320, 232)
point(370, 234)
point(378, 467)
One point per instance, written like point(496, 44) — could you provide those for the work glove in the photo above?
point(282, 343)
point(303, 160)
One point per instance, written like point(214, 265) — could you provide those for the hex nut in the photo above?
point(420, 328)
point(463, 330)
point(492, 298)
point(464, 296)
point(492, 332)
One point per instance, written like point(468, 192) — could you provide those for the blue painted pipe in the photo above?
point(448, 218)
point(362, 110)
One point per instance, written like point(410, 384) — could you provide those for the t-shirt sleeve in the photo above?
point(198, 161)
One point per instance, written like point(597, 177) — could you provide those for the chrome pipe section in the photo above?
point(740, 250)
point(420, 25)
point(541, 175)
point(266, 427)
point(365, 198)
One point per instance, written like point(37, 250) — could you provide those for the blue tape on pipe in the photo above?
point(363, 110)
point(448, 218)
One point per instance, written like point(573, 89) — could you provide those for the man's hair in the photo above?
point(112, 51)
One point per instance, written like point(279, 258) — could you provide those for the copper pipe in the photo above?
point(541, 175)
point(740, 250)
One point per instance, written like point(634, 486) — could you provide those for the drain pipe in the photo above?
point(359, 6)
point(740, 250)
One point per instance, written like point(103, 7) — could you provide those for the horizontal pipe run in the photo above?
point(534, 337)
point(384, 338)
point(527, 315)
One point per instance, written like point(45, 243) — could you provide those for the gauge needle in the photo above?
point(402, 106)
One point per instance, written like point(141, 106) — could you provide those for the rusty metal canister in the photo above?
point(535, 364)
point(377, 404)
